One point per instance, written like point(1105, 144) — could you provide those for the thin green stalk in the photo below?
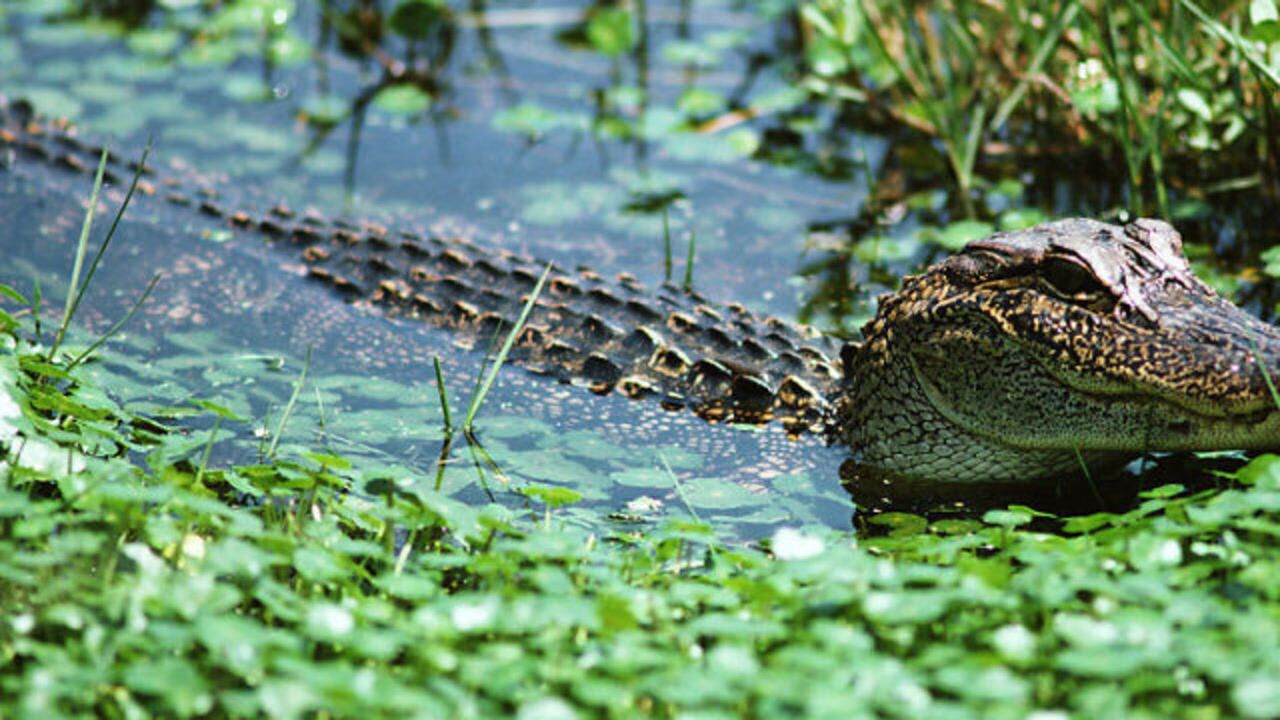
point(472, 444)
point(288, 409)
point(1176, 59)
point(1130, 118)
point(208, 450)
point(445, 448)
point(972, 141)
point(1088, 478)
point(1157, 165)
point(1266, 376)
point(402, 557)
point(115, 223)
point(675, 483)
point(37, 301)
point(82, 247)
point(116, 327)
point(478, 398)
point(320, 417)
point(475, 446)
point(490, 354)
point(76, 291)
point(688, 262)
point(666, 245)
point(444, 396)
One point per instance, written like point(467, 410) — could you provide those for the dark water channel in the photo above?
point(515, 132)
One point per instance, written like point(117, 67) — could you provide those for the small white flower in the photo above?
point(331, 620)
point(474, 616)
point(791, 544)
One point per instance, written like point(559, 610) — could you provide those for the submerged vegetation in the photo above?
point(141, 576)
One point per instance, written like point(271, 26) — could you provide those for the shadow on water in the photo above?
point(571, 133)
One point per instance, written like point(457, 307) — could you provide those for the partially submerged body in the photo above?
point(1024, 357)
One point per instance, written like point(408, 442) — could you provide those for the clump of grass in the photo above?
point(77, 286)
point(667, 257)
point(688, 262)
point(1141, 81)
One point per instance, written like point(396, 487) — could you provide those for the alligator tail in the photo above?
point(724, 363)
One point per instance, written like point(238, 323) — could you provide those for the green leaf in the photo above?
point(405, 100)
point(551, 495)
point(610, 31)
point(1271, 259)
point(417, 19)
point(1195, 103)
point(957, 234)
point(328, 460)
point(1257, 696)
point(13, 295)
point(217, 409)
point(1010, 518)
point(1265, 19)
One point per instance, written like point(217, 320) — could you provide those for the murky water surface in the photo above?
point(516, 132)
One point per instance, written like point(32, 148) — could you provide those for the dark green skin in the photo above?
point(1021, 358)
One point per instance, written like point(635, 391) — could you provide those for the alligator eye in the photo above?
point(1071, 281)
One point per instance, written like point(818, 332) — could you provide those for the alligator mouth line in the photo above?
point(1181, 418)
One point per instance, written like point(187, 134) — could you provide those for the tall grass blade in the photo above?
point(675, 483)
point(477, 399)
point(76, 291)
point(37, 302)
point(208, 450)
point(119, 324)
point(1181, 65)
point(288, 409)
point(1088, 478)
point(82, 246)
point(444, 395)
point(1266, 375)
point(666, 245)
point(972, 141)
point(688, 262)
point(115, 223)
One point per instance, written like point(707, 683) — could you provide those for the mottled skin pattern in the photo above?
point(1073, 342)
point(1022, 358)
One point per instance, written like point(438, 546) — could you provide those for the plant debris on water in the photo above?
point(334, 568)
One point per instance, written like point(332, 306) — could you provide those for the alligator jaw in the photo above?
point(1071, 342)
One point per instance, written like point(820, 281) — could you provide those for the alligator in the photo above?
point(1073, 346)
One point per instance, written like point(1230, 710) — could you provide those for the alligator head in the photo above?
point(1032, 353)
